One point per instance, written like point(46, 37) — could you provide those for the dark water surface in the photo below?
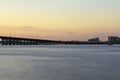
point(90, 62)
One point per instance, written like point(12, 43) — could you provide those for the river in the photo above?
point(60, 62)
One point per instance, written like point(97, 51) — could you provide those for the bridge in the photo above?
point(6, 40)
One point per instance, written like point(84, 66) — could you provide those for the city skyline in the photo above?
point(60, 20)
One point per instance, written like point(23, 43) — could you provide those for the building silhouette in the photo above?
point(113, 40)
point(94, 40)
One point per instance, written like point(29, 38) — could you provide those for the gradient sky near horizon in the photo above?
point(60, 19)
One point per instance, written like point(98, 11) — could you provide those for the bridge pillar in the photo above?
point(2, 41)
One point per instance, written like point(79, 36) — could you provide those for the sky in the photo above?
point(60, 19)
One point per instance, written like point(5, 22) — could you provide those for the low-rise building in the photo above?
point(113, 39)
point(94, 40)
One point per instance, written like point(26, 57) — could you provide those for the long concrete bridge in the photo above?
point(5, 40)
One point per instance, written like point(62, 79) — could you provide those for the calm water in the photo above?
point(60, 62)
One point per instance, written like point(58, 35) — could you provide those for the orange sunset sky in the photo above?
point(60, 19)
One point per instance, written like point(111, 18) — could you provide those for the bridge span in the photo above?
point(5, 40)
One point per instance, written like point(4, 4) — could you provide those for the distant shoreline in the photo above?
point(5, 40)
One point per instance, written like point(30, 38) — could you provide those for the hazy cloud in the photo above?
point(27, 27)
